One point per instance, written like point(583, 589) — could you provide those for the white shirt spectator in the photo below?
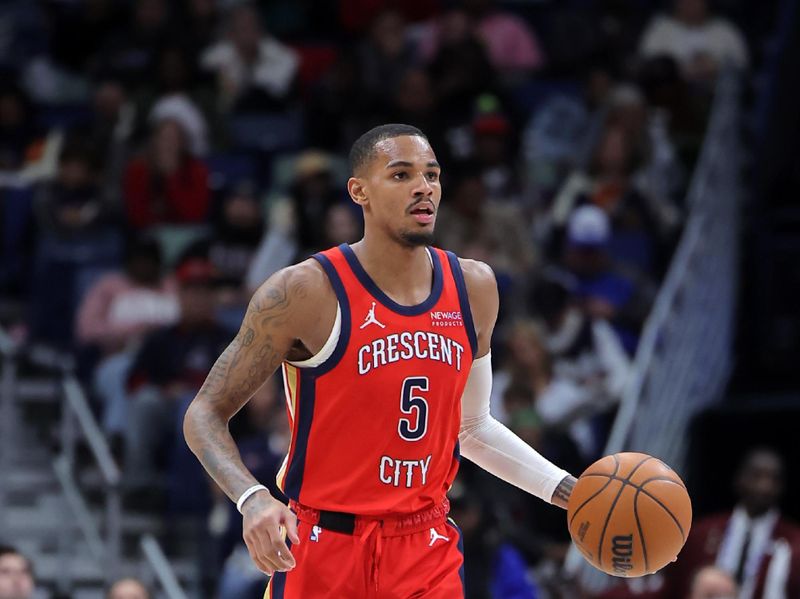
point(273, 70)
point(715, 37)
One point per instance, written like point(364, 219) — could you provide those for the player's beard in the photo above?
point(417, 238)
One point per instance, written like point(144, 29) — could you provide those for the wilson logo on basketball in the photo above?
point(622, 550)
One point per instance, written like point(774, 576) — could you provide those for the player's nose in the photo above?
point(422, 186)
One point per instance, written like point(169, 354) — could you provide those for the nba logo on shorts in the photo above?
point(315, 532)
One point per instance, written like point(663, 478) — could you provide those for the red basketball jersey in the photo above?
point(375, 425)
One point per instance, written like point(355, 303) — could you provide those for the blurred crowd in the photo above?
point(160, 159)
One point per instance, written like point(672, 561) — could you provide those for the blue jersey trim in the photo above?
point(307, 378)
point(457, 451)
point(460, 545)
point(279, 579)
point(305, 416)
point(370, 285)
point(463, 298)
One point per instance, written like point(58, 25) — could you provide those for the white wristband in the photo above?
point(246, 495)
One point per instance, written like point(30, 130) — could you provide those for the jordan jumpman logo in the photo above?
point(435, 536)
point(370, 319)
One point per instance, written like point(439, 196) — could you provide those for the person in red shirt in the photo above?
point(167, 185)
point(384, 346)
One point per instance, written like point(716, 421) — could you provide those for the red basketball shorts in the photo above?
point(345, 557)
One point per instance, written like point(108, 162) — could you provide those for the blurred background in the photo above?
point(629, 168)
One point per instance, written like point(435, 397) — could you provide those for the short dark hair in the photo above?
point(8, 550)
point(363, 149)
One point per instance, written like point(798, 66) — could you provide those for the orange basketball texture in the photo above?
point(629, 514)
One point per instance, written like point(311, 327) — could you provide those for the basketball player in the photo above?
point(384, 348)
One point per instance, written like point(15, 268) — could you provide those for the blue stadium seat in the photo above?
point(532, 94)
point(225, 169)
point(274, 132)
point(63, 116)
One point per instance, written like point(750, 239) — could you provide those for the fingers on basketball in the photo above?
point(629, 514)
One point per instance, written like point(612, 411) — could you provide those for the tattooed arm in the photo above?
point(483, 439)
point(284, 317)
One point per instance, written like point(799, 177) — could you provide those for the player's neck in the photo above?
point(403, 273)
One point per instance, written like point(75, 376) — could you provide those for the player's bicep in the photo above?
point(263, 341)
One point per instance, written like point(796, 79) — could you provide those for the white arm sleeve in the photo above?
point(496, 449)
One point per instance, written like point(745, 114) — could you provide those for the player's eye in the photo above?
point(433, 176)
point(400, 176)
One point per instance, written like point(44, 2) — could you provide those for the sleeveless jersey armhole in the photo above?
point(327, 349)
point(463, 298)
point(334, 348)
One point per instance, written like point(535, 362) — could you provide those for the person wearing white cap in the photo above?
point(588, 226)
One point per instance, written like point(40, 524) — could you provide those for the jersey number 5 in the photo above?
point(415, 427)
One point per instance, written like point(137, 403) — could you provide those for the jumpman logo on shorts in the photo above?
point(370, 319)
point(435, 536)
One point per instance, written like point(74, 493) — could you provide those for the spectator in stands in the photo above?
point(73, 204)
point(80, 28)
point(383, 57)
point(553, 143)
point(414, 102)
point(123, 306)
point(482, 228)
point(238, 226)
point(659, 177)
point(297, 221)
point(26, 31)
point(261, 436)
point(602, 291)
point(16, 574)
point(131, 49)
point(254, 71)
point(459, 66)
point(178, 92)
point(755, 543)
point(574, 375)
point(116, 314)
point(494, 566)
point(341, 224)
point(169, 367)
point(111, 129)
point(128, 588)
point(700, 42)
point(494, 154)
point(660, 79)
point(334, 109)
point(637, 235)
point(167, 185)
point(18, 132)
point(513, 47)
point(713, 583)
point(202, 24)
point(76, 241)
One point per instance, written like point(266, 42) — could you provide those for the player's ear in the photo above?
point(355, 187)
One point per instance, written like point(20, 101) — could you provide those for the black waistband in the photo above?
point(337, 521)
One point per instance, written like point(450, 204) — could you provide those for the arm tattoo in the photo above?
point(563, 491)
point(252, 356)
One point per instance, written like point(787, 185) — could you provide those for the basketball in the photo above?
point(629, 514)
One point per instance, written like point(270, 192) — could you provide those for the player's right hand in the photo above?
point(264, 523)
